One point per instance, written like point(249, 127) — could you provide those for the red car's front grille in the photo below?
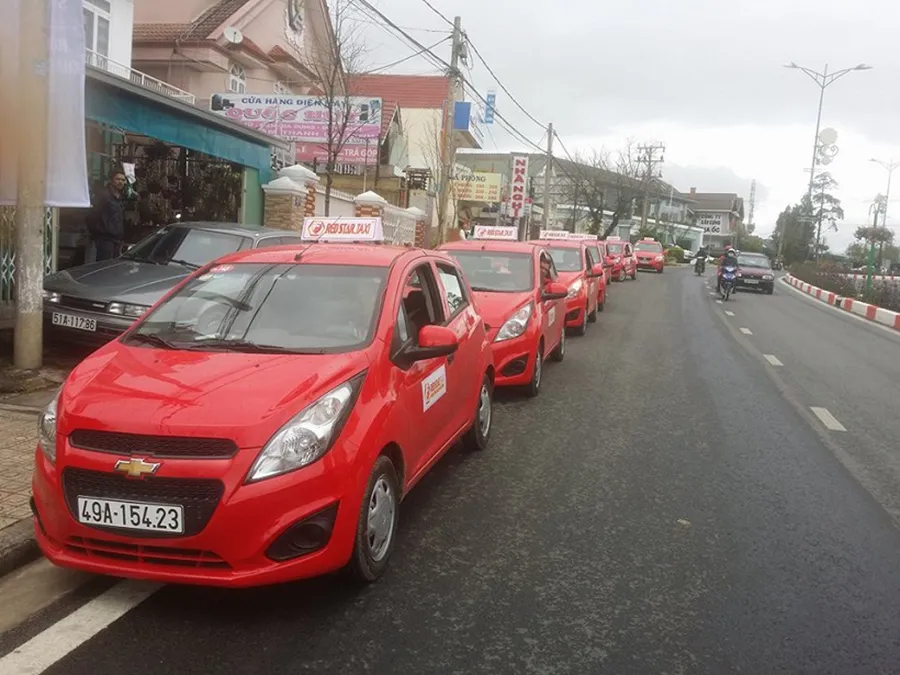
point(149, 555)
point(153, 446)
point(198, 496)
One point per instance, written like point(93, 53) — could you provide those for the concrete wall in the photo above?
point(121, 23)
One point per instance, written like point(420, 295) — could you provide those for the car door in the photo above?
point(630, 259)
point(553, 311)
point(592, 281)
point(464, 367)
point(422, 387)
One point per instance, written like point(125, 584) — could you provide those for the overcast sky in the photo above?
point(703, 76)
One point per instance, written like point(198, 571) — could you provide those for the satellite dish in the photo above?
point(828, 136)
point(233, 35)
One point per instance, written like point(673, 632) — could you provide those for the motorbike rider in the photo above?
point(700, 257)
point(729, 259)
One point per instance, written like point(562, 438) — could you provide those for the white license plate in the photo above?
point(751, 281)
point(72, 321)
point(131, 515)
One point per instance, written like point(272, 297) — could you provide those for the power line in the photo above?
point(437, 11)
point(408, 58)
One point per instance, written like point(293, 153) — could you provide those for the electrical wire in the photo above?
point(438, 12)
point(408, 58)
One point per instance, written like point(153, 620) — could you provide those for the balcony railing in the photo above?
point(95, 60)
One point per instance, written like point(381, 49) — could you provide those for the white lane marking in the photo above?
point(718, 302)
point(746, 331)
point(712, 293)
point(825, 418)
point(729, 313)
point(63, 637)
point(33, 587)
point(772, 359)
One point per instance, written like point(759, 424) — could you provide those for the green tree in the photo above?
point(827, 208)
point(857, 252)
point(795, 234)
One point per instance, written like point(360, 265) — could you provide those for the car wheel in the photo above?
point(622, 275)
point(559, 353)
point(534, 387)
point(592, 317)
point(478, 435)
point(582, 328)
point(770, 291)
point(376, 530)
point(661, 270)
point(601, 305)
point(634, 274)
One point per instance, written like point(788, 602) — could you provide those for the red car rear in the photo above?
point(582, 277)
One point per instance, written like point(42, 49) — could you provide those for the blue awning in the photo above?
point(114, 102)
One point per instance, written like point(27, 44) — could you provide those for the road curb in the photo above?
point(17, 546)
point(14, 407)
point(873, 313)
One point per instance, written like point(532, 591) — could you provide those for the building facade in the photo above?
point(719, 214)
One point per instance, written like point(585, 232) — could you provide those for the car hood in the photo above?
point(648, 254)
point(245, 397)
point(496, 308)
point(754, 272)
point(120, 279)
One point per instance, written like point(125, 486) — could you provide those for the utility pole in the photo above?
point(548, 170)
point(448, 152)
point(34, 65)
point(650, 160)
point(889, 167)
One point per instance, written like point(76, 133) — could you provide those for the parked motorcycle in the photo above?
point(700, 265)
point(729, 274)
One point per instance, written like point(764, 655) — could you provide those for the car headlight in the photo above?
point(738, 274)
point(767, 277)
point(47, 429)
point(126, 309)
point(50, 296)
point(516, 324)
point(308, 435)
point(660, 258)
point(574, 288)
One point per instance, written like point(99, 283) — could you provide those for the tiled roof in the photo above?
point(277, 53)
point(250, 46)
point(714, 201)
point(199, 29)
point(408, 91)
point(387, 114)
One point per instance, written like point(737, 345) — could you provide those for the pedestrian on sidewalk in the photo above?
point(106, 224)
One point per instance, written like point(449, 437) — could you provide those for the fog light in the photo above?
point(304, 537)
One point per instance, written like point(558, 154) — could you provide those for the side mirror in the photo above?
point(434, 341)
point(597, 270)
point(554, 291)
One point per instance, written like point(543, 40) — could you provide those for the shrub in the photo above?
point(675, 254)
point(835, 279)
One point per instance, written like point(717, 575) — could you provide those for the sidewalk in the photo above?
point(18, 437)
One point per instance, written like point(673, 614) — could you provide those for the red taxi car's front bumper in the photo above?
point(514, 359)
point(651, 264)
point(229, 526)
point(576, 308)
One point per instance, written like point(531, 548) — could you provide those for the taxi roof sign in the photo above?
point(554, 234)
point(648, 239)
point(581, 236)
point(495, 233)
point(342, 229)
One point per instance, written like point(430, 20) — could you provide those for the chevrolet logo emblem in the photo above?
point(136, 468)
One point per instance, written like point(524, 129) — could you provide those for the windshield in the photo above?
point(277, 307)
point(497, 271)
point(754, 261)
point(567, 259)
point(185, 245)
point(653, 246)
point(615, 249)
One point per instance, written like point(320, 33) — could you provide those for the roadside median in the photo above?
point(873, 313)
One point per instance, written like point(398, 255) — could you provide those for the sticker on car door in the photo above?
point(434, 387)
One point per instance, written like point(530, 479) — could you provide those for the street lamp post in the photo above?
point(823, 80)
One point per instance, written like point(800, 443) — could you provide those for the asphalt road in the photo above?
point(667, 505)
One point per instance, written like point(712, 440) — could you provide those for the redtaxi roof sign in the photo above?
point(581, 236)
point(495, 233)
point(342, 229)
point(554, 234)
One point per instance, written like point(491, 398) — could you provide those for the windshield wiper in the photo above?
point(249, 347)
point(193, 266)
point(482, 289)
point(127, 256)
point(152, 339)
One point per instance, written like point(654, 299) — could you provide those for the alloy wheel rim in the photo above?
point(484, 410)
point(380, 523)
point(538, 365)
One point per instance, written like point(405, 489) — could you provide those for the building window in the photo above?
point(237, 79)
point(96, 26)
point(281, 88)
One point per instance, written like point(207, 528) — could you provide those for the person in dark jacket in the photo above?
point(107, 222)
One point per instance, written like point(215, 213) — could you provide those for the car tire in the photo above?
point(601, 305)
point(770, 291)
point(369, 559)
point(661, 270)
point(634, 274)
point(592, 317)
point(533, 388)
point(477, 437)
point(559, 353)
point(582, 329)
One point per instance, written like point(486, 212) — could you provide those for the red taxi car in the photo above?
point(263, 421)
point(595, 249)
point(650, 255)
point(620, 254)
point(521, 302)
point(581, 277)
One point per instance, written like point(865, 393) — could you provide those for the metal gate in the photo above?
point(8, 255)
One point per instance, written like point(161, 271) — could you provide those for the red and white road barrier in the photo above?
point(870, 312)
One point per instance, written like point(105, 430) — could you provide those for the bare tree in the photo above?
point(432, 151)
point(336, 59)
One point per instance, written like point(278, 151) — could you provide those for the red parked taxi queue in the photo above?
point(264, 420)
point(518, 295)
point(620, 255)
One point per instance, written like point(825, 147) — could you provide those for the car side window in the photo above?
point(420, 305)
point(588, 259)
point(548, 269)
point(268, 242)
point(293, 241)
point(453, 289)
